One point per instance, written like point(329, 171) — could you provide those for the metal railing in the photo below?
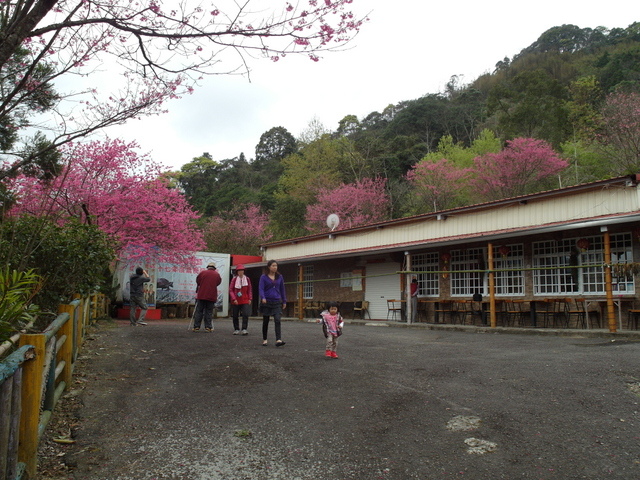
point(32, 380)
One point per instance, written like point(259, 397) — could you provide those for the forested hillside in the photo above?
point(564, 110)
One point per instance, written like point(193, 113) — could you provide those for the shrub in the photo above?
point(70, 258)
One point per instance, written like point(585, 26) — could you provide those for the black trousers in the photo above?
point(238, 311)
point(275, 311)
point(204, 311)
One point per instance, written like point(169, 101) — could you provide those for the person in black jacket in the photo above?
point(136, 288)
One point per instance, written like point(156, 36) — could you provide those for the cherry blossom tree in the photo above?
point(359, 203)
point(108, 184)
point(525, 165)
point(241, 234)
point(117, 60)
point(436, 184)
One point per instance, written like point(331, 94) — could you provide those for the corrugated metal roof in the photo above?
point(598, 203)
point(627, 180)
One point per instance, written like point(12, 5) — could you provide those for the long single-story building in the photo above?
point(561, 258)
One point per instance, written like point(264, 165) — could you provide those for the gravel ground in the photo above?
point(163, 403)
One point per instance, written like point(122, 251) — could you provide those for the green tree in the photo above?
point(532, 105)
point(197, 179)
point(287, 220)
point(319, 164)
point(586, 163)
point(274, 145)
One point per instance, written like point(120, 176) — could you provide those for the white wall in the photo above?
point(379, 289)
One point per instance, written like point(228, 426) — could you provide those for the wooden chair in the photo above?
point(467, 310)
point(394, 307)
point(555, 313)
point(633, 317)
point(547, 312)
point(576, 308)
point(362, 309)
point(311, 310)
point(444, 308)
point(511, 313)
point(463, 311)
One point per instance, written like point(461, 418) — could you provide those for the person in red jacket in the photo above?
point(207, 283)
point(241, 295)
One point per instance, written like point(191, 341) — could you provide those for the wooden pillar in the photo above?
point(608, 288)
point(30, 402)
point(300, 292)
point(66, 350)
point(492, 287)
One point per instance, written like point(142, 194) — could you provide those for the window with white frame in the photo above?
point(575, 265)
point(508, 261)
point(467, 272)
point(428, 282)
point(622, 253)
point(307, 278)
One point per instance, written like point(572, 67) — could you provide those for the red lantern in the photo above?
point(446, 257)
point(504, 250)
point(583, 244)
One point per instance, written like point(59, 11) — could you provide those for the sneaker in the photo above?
point(334, 355)
point(209, 330)
point(328, 353)
point(236, 332)
point(142, 323)
point(244, 332)
point(196, 329)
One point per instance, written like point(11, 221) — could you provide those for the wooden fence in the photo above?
point(32, 380)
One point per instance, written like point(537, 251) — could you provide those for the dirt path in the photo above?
point(162, 403)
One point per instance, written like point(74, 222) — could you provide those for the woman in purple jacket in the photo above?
point(273, 300)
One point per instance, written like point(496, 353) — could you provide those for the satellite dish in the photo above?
point(333, 221)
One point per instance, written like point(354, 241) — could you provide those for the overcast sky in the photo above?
point(408, 48)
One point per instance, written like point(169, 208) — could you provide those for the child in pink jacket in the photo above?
point(332, 324)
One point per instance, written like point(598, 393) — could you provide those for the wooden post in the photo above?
point(407, 288)
point(30, 402)
point(300, 292)
point(79, 325)
point(608, 288)
point(93, 307)
point(492, 287)
point(66, 350)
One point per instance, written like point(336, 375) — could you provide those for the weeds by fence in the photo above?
point(32, 380)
